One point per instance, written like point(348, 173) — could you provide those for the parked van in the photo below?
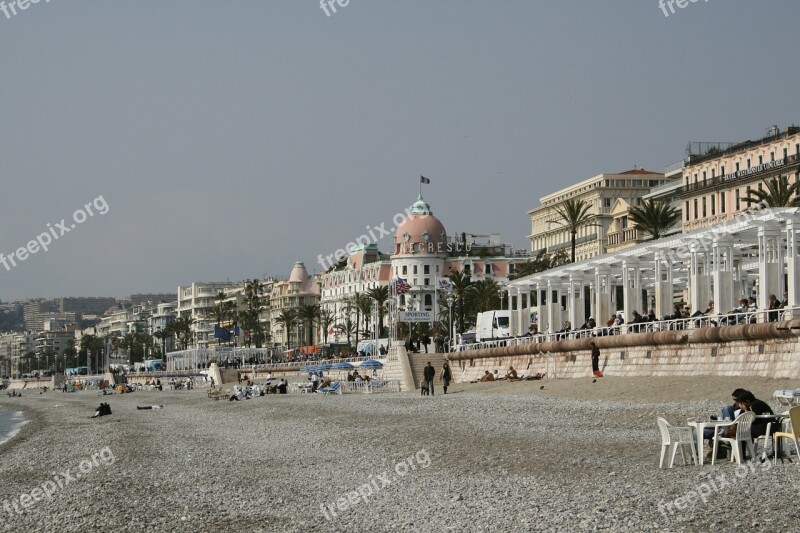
point(493, 325)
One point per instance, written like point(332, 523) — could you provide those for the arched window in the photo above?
point(428, 300)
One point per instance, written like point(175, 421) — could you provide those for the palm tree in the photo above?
point(483, 296)
point(573, 215)
point(182, 328)
point(254, 291)
point(325, 318)
point(287, 318)
point(779, 193)
point(461, 282)
point(654, 217)
point(380, 295)
point(363, 304)
point(309, 314)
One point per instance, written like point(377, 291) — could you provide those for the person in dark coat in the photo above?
point(596, 361)
point(447, 376)
point(429, 373)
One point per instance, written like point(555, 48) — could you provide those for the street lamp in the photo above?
point(450, 301)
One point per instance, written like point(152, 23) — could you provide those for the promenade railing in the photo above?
point(645, 326)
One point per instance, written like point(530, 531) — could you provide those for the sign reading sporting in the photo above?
point(416, 316)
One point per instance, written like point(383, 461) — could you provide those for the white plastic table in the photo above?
point(700, 426)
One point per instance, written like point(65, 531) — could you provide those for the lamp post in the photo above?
point(450, 301)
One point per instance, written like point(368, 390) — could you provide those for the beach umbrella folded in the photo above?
point(371, 364)
point(342, 366)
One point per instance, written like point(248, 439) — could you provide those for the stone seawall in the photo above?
point(767, 350)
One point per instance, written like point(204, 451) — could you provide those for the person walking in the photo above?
point(429, 374)
point(596, 361)
point(447, 376)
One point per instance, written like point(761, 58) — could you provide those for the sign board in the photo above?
point(416, 316)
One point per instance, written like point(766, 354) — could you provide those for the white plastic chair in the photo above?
point(765, 440)
point(743, 423)
point(673, 437)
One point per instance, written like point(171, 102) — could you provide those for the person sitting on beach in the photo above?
point(238, 395)
point(140, 408)
point(496, 375)
point(103, 410)
point(511, 375)
point(282, 385)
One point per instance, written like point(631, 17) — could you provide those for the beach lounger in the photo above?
point(335, 388)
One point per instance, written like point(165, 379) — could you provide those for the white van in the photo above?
point(493, 325)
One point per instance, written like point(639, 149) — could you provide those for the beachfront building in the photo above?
point(197, 302)
point(717, 179)
point(82, 306)
point(299, 291)
point(752, 255)
point(422, 256)
point(366, 268)
point(14, 347)
point(609, 196)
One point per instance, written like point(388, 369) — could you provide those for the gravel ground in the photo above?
point(575, 456)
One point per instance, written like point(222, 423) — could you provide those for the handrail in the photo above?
point(697, 322)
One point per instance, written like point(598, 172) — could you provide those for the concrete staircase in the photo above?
point(419, 361)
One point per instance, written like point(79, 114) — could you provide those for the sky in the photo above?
point(218, 141)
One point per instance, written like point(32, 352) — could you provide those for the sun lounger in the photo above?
point(787, 397)
point(335, 388)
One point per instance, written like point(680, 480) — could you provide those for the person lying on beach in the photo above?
point(238, 395)
point(486, 377)
point(103, 410)
point(534, 377)
point(150, 407)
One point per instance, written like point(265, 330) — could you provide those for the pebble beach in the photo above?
point(551, 455)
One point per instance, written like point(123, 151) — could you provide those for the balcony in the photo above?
point(628, 235)
point(718, 181)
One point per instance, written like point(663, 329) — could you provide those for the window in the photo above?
point(704, 207)
point(738, 206)
point(737, 165)
point(512, 268)
point(772, 156)
point(713, 173)
point(704, 177)
point(415, 269)
point(695, 178)
point(722, 170)
point(722, 202)
point(405, 270)
point(637, 183)
point(487, 268)
point(797, 148)
point(695, 208)
point(713, 204)
point(428, 300)
point(402, 299)
point(426, 269)
point(427, 281)
point(437, 269)
point(654, 183)
point(785, 153)
point(606, 202)
point(467, 269)
point(761, 160)
point(687, 210)
point(638, 201)
point(748, 164)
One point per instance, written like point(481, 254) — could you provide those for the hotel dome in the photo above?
point(420, 232)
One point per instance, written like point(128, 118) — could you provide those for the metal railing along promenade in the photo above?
point(695, 322)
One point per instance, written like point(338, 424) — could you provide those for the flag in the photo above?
point(444, 284)
point(221, 333)
point(399, 286)
point(423, 179)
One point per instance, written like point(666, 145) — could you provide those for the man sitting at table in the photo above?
point(744, 400)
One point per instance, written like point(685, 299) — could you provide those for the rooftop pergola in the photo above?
point(754, 254)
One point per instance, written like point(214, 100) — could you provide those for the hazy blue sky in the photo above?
point(230, 139)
